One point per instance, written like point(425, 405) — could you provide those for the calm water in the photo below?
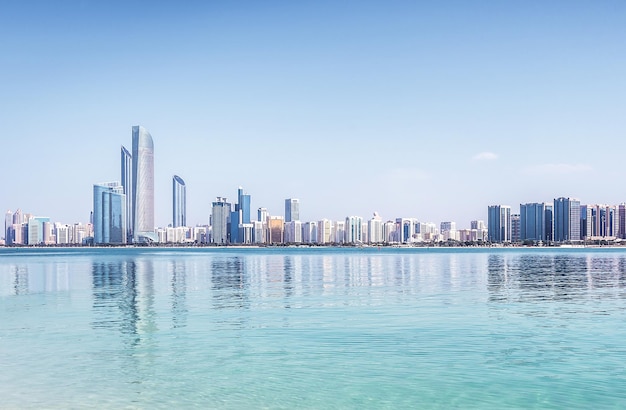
point(313, 328)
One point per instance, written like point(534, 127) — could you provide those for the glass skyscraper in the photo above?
point(179, 202)
point(499, 223)
point(536, 222)
point(109, 213)
point(566, 220)
point(127, 180)
point(292, 209)
point(220, 214)
point(143, 186)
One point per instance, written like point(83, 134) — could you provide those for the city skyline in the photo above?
point(423, 110)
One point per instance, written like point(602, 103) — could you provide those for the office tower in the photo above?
point(293, 232)
point(109, 213)
point(35, 229)
point(339, 231)
point(276, 229)
point(8, 222)
point(262, 215)
point(309, 232)
point(127, 181)
point(515, 227)
point(240, 218)
point(18, 218)
point(243, 205)
point(354, 229)
point(219, 220)
point(535, 222)
point(499, 223)
point(621, 220)
point(179, 202)
point(566, 220)
point(324, 231)
point(375, 229)
point(143, 185)
point(292, 209)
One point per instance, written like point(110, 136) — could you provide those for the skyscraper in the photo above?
point(220, 212)
point(143, 186)
point(127, 181)
point(535, 222)
point(179, 202)
point(292, 209)
point(109, 213)
point(499, 223)
point(566, 219)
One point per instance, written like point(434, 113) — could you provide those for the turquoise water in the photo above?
point(312, 328)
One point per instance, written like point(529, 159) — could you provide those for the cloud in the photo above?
point(485, 156)
point(557, 169)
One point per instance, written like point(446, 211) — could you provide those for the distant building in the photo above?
point(536, 222)
point(354, 230)
point(292, 209)
point(515, 228)
point(36, 230)
point(499, 223)
point(276, 229)
point(219, 220)
point(324, 231)
point(375, 229)
point(109, 213)
point(127, 184)
point(566, 220)
point(179, 202)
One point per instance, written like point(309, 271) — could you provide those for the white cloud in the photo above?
point(485, 156)
point(557, 169)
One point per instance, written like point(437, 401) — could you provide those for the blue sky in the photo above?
point(432, 110)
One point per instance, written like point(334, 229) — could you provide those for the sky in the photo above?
point(430, 110)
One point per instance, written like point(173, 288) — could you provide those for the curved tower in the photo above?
point(143, 185)
point(179, 202)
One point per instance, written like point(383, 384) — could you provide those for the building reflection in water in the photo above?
point(229, 282)
point(123, 298)
point(531, 277)
point(20, 279)
point(179, 293)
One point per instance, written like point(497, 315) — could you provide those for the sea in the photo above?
point(313, 328)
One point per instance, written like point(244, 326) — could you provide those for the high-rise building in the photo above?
point(515, 227)
point(566, 220)
point(219, 220)
point(276, 229)
point(535, 222)
point(8, 222)
point(621, 210)
point(292, 209)
point(240, 217)
point(127, 181)
point(499, 223)
point(324, 231)
point(375, 229)
point(179, 202)
point(143, 186)
point(353, 229)
point(109, 213)
point(35, 229)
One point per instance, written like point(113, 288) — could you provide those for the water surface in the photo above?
point(312, 328)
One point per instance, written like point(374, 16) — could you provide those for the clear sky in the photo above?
point(432, 110)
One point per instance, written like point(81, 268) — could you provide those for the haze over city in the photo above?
point(432, 111)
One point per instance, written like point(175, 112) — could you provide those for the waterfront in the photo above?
point(312, 328)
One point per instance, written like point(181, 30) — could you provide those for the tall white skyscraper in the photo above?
point(143, 186)
point(292, 209)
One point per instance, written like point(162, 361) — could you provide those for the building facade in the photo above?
point(109, 213)
point(143, 186)
point(179, 202)
point(499, 223)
